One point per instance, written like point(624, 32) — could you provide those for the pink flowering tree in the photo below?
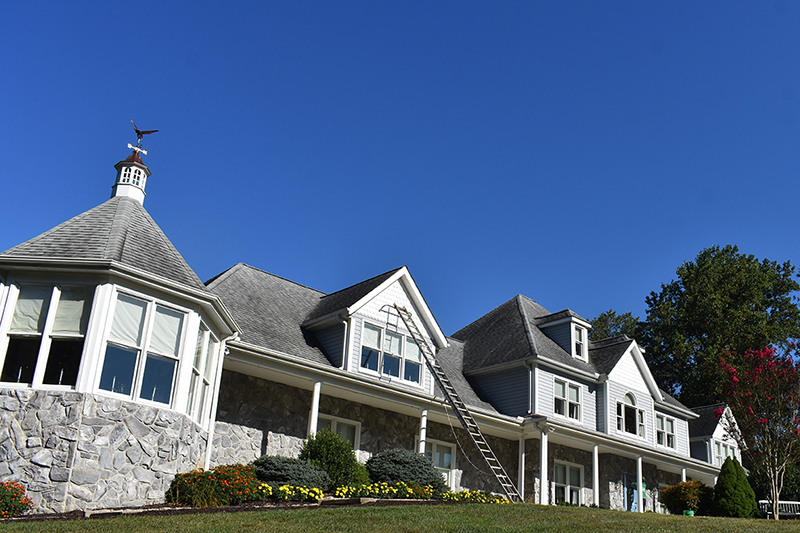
point(763, 392)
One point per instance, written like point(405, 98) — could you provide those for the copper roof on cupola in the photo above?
point(135, 158)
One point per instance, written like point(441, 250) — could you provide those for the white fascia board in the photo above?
point(641, 364)
point(566, 320)
point(416, 297)
point(209, 301)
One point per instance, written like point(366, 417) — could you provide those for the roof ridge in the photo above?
point(241, 264)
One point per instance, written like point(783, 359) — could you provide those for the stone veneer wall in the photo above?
point(611, 469)
point(79, 451)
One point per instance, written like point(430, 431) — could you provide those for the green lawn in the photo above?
point(465, 518)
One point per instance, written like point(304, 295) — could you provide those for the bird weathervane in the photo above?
point(139, 135)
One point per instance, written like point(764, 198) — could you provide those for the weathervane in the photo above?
point(139, 135)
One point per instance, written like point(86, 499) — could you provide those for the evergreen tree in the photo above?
point(733, 495)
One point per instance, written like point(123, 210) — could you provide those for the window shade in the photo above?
point(166, 331)
point(128, 319)
point(31, 310)
point(392, 343)
point(72, 313)
point(372, 337)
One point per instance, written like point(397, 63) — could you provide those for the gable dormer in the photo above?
point(569, 330)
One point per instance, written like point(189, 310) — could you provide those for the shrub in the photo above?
point(279, 471)
point(687, 496)
point(733, 495)
point(332, 454)
point(13, 501)
point(224, 485)
point(393, 466)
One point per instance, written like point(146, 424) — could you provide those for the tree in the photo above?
point(724, 301)
point(763, 391)
point(609, 324)
point(733, 495)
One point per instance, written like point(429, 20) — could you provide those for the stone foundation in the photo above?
point(79, 451)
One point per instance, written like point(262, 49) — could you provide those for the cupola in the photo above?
point(132, 176)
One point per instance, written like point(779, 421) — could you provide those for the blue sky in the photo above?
point(574, 152)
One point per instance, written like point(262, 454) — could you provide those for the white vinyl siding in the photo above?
point(546, 398)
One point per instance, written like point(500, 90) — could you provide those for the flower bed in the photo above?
point(402, 490)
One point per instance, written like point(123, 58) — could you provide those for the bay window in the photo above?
point(390, 353)
point(46, 336)
point(203, 365)
point(142, 350)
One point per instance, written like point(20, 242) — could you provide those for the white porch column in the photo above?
point(544, 488)
point(683, 475)
point(596, 475)
point(639, 491)
point(314, 416)
point(423, 430)
point(521, 474)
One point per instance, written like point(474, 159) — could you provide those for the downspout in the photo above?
point(531, 385)
point(345, 342)
point(213, 415)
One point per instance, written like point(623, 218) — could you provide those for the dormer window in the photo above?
point(391, 354)
point(580, 342)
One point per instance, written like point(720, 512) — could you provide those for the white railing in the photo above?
point(786, 509)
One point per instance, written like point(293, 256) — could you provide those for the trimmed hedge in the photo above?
point(279, 471)
point(394, 466)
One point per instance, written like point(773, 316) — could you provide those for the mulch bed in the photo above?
point(170, 510)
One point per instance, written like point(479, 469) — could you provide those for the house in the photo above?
point(119, 368)
point(711, 440)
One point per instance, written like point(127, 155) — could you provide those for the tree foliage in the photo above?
point(763, 391)
point(733, 495)
point(687, 496)
point(723, 301)
point(609, 324)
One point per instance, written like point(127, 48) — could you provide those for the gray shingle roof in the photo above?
point(270, 310)
point(451, 361)
point(344, 298)
point(510, 333)
point(705, 425)
point(117, 230)
point(605, 354)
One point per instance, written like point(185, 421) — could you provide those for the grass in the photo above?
point(466, 518)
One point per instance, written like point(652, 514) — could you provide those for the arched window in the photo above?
point(137, 176)
point(126, 175)
point(629, 418)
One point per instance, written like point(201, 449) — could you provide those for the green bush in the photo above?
point(733, 495)
point(279, 471)
point(13, 501)
point(334, 455)
point(224, 485)
point(394, 466)
point(688, 496)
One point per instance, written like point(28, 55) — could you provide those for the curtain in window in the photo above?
point(73, 311)
point(31, 310)
point(128, 319)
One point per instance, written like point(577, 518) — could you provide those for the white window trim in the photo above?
point(575, 329)
point(728, 450)
point(448, 475)
point(46, 336)
point(567, 486)
point(406, 336)
point(335, 420)
point(567, 401)
point(665, 432)
point(640, 413)
point(138, 373)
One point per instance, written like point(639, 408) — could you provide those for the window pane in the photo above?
point(201, 402)
point(561, 390)
point(192, 388)
point(20, 360)
point(166, 331)
point(157, 380)
point(31, 310)
point(411, 372)
point(369, 358)
point(429, 451)
point(559, 406)
point(198, 349)
point(560, 494)
point(561, 474)
point(72, 313)
point(211, 356)
point(118, 368)
point(574, 477)
point(372, 337)
point(412, 350)
point(391, 365)
point(444, 456)
point(323, 423)
point(660, 422)
point(574, 411)
point(573, 393)
point(346, 432)
point(63, 362)
point(671, 441)
point(128, 320)
point(670, 425)
point(660, 437)
point(392, 343)
point(575, 496)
